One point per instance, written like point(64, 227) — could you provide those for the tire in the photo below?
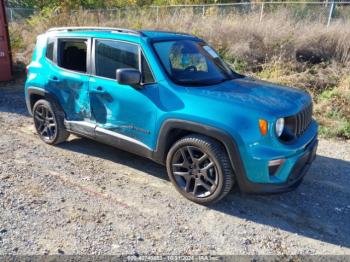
point(49, 122)
point(200, 170)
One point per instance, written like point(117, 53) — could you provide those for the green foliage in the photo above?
point(95, 4)
point(44, 16)
point(341, 130)
point(76, 4)
point(328, 94)
point(237, 64)
point(40, 4)
point(17, 42)
point(21, 3)
point(333, 111)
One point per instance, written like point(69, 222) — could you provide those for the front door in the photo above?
point(122, 110)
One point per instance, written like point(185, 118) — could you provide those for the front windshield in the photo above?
point(191, 62)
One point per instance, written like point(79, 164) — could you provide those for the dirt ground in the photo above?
point(83, 197)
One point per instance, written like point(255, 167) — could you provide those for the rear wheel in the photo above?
point(49, 122)
point(199, 168)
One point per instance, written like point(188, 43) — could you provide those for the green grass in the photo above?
point(340, 130)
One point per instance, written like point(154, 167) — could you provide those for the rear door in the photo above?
point(68, 75)
point(122, 110)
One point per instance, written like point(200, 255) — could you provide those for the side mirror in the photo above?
point(128, 76)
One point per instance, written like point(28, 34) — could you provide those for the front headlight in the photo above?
point(279, 126)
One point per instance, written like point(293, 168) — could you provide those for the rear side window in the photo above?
point(73, 54)
point(50, 48)
point(113, 55)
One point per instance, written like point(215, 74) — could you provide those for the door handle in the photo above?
point(99, 90)
point(54, 78)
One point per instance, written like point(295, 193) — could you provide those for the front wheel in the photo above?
point(49, 122)
point(200, 169)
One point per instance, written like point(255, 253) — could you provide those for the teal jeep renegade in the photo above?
point(169, 97)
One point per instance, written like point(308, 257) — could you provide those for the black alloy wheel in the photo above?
point(200, 169)
point(194, 171)
point(45, 123)
point(49, 122)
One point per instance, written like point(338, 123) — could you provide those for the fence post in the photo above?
point(157, 14)
point(203, 10)
point(11, 15)
point(330, 14)
point(262, 11)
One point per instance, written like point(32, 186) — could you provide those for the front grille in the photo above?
point(296, 125)
point(303, 120)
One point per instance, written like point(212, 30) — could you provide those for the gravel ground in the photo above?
point(87, 198)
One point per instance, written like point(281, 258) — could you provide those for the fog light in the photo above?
point(274, 166)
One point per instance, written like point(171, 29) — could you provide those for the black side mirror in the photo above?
point(128, 76)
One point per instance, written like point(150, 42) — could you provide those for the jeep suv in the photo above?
point(169, 97)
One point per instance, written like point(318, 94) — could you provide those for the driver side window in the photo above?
point(112, 55)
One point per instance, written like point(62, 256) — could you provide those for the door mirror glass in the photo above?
point(128, 76)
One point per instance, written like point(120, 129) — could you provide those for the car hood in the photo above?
point(258, 95)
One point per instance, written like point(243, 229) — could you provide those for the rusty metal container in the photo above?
point(5, 50)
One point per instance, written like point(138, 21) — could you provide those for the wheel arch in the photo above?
point(174, 129)
point(34, 94)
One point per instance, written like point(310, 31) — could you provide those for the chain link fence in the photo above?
point(19, 14)
point(324, 12)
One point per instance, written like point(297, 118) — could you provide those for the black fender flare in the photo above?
point(222, 136)
point(31, 91)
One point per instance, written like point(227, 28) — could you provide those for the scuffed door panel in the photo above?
point(72, 90)
point(124, 109)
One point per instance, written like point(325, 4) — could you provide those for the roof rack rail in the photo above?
point(166, 31)
point(85, 28)
point(175, 32)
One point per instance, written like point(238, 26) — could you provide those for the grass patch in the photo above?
point(341, 129)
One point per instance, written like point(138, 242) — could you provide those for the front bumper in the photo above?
point(295, 177)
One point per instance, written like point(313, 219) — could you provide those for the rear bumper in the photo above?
point(295, 177)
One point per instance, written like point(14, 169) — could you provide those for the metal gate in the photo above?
point(5, 51)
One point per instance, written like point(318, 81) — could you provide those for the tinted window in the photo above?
point(147, 76)
point(113, 55)
point(72, 54)
point(49, 49)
